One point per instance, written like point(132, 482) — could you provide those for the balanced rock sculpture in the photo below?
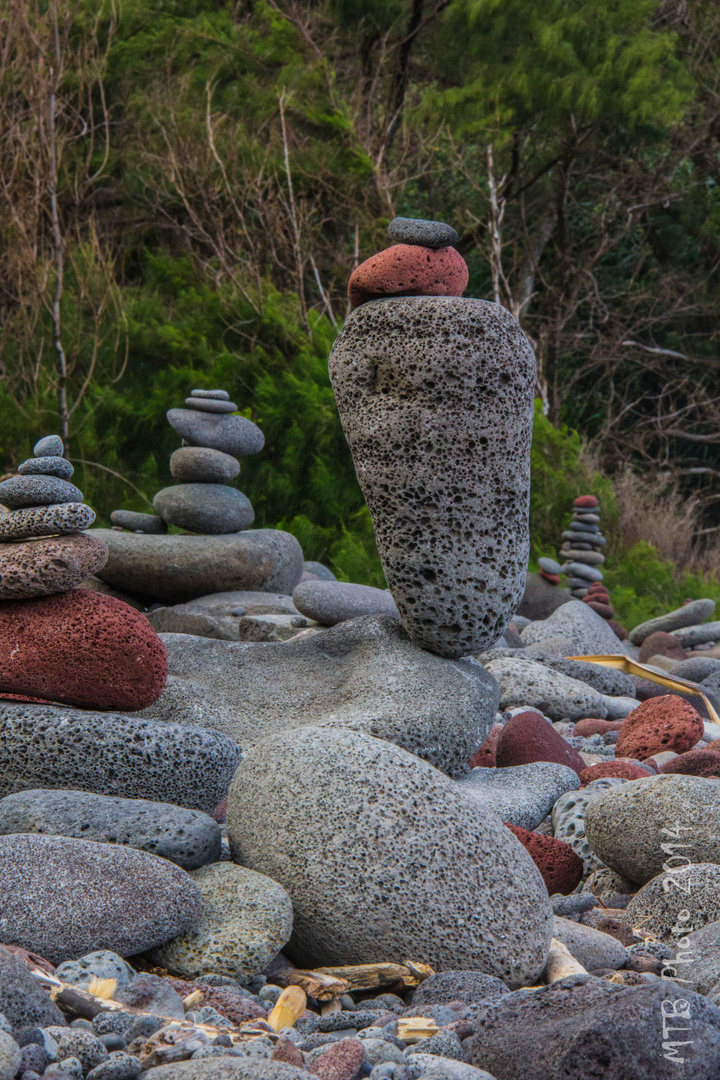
point(435, 394)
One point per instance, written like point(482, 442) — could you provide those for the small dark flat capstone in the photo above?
point(423, 233)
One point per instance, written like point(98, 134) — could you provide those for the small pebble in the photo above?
point(423, 233)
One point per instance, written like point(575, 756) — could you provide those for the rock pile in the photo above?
point(582, 551)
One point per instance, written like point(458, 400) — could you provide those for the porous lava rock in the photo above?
point(528, 737)
point(560, 867)
point(188, 838)
point(485, 756)
point(23, 1001)
point(435, 396)
point(677, 902)
point(466, 986)
point(521, 795)
point(49, 565)
point(694, 763)
point(228, 1068)
point(340, 1061)
point(661, 723)
point(626, 770)
point(58, 747)
point(588, 726)
point(81, 648)
point(176, 568)
point(524, 682)
point(384, 857)
point(408, 270)
point(581, 1027)
point(120, 898)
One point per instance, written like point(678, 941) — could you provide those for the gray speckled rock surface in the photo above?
point(696, 960)
point(434, 1067)
point(331, 602)
point(527, 683)
point(365, 675)
point(435, 396)
point(627, 826)
point(173, 569)
point(607, 681)
point(568, 819)
point(319, 569)
point(10, 1057)
point(18, 492)
point(688, 636)
point(697, 668)
point(120, 899)
point(135, 522)
point(209, 509)
point(466, 986)
point(101, 964)
point(52, 565)
point(63, 519)
point(585, 631)
point(47, 466)
point(202, 465)
point(384, 857)
point(188, 838)
point(23, 1001)
point(521, 795)
point(58, 747)
point(693, 890)
point(233, 435)
point(592, 948)
point(582, 1027)
point(246, 919)
point(230, 1068)
point(421, 231)
point(688, 615)
point(49, 446)
point(210, 405)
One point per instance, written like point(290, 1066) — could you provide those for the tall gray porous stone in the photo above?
point(435, 395)
point(384, 857)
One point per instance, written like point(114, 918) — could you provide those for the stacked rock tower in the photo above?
point(582, 551)
point(201, 501)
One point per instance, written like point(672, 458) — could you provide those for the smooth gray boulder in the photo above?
point(364, 675)
point(188, 838)
point(688, 615)
point(319, 570)
point(521, 795)
point(689, 636)
point(639, 826)
point(541, 598)
point(590, 947)
point(62, 898)
point(202, 465)
point(137, 522)
point(697, 668)
point(696, 960)
point(435, 395)
point(384, 857)
point(174, 569)
point(246, 919)
point(586, 632)
point(234, 435)
point(209, 509)
point(58, 747)
point(676, 902)
point(331, 602)
point(527, 683)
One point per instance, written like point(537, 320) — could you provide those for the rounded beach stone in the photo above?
point(188, 838)
point(81, 648)
point(121, 899)
point(174, 569)
point(213, 395)
point(210, 405)
point(209, 509)
point(661, 723)
point(331, 602)
point(691, 636)
point(554, 579)
point(24, 1003)
point(435, 397)
point(592, 948)
point(639, 827)
point(466, 986)
point(528, 737)
point(582, 571)
point(47, 466)
point(47, 746)
point(549, 566)
point(605, 611)
point(228, 1068)
point(235, 435)
point(50, 446)
point(677, 901)
point(589, 727)
point(696, 960)
point(202, 465)
point(50, 565)
point(63, 519)
point(560, 867)
point(118, 1066)
point(697, 668)
point(408, 858)
point(420, 231)
point(694, 763)
point(585, 502)
point(626, 770)
point(10, 1057)
point(589, 558)
point(688, 615)
point(319, 570)
point(661, 644)
point(521, 795)
point(246, 919)
point(408, 270)
point(525, 682)
point(135, 522)
point(568, 819)
point(101, 964)
point(340, 1060)
point(585, 632)
point(20, 491)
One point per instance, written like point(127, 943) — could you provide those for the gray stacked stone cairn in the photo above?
point(582, 547)
point(202, 500)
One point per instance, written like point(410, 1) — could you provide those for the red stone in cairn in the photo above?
point(554, 579)
point(604, 610)
point(408, 270)
point(560, 866)
point(585, 502)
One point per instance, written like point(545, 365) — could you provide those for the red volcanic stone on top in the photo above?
point(409, 270)
point(661, 723)
point(694, 763)
point(626, 770)
point(561, 868)
point(528, 737)
point(596, 727)
point(585, 502)
point(81, 648)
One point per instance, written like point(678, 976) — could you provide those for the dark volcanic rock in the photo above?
point(23, 1001)
point(466, 986)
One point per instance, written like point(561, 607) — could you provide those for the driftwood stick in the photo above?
point(561, 963)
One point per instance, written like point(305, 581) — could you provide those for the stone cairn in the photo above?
point(582, 552)
point(435, 395)
point(201, 501)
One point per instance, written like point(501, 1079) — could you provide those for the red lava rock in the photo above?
point(527, 737)
point(341, 1061)
point(626, 770)
point(596, 727)
point(220, 811)
point(619, 630)
point(408, 270)
point(694, 763)
point(485, 756)
point(554, 579)
point(714, 745)
point(561, 868)
point(661, 723)
point(585, 502)
point(605, 610)
point(81, 648)
point(286, 1051)
point(661, 644)
point(24, 697)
